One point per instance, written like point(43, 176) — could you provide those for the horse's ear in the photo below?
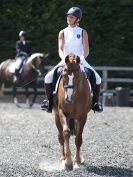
point(78, 59)
point(67, 59)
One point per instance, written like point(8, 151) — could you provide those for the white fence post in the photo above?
point(2, 90)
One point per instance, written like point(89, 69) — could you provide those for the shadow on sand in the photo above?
point(110, 171)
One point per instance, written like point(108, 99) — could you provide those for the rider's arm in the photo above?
point(85, 44)
point(19, 50)
point(18, 47)
point(61, 44)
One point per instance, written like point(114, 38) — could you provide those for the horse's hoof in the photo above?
point(29, 106)
point(65, 166)
point(69, 167)
point(76, 165)
point(18, 106)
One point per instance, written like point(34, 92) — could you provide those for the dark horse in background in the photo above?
point(33, 67)
point(72, 103)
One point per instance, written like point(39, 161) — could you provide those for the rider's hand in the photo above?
point(23, 53)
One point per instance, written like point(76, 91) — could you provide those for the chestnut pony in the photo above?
point(31, 70)
point(71, 105)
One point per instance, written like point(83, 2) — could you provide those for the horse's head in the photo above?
point(71, 76)
point(72, 62)
point(37, 62)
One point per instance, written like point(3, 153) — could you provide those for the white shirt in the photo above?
point(23, 42)
point(73, 41)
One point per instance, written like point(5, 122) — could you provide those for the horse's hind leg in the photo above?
point(78, 141)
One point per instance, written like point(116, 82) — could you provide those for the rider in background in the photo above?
point(23, 49)
point(73, 39)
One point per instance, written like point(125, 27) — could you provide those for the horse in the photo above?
point(32, 68)
point(72, 103)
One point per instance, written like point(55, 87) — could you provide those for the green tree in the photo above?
point(109, 25)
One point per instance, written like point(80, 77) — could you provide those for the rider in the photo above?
point(72, 39)
point(23, 49)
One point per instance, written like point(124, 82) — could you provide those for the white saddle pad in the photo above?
point(12, 68)
point(15, 65)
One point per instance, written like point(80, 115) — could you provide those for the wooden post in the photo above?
point(2, 90)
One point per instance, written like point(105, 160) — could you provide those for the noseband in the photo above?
point(68, 86)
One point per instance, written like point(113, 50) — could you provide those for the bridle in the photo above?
point(68, 86)
point(70, 89)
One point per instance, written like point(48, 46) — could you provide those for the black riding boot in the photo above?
point(48, 104)
point(97, 106)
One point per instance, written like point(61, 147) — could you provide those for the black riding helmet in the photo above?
point(22, 33)
point(75, 11)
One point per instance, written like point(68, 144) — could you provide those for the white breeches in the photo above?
point(98, 78)
point(18, 63)
point(49, 76)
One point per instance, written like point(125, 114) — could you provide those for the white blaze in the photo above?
point(70, 90)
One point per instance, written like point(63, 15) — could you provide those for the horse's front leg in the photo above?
point(78, 140)
point(66, 134)
point(35, 95)
point(27, 97)
point(15, 97)
point(60, 136)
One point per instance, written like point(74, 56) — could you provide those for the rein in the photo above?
point(37, 70)
point(31, 80)
point(39, 74)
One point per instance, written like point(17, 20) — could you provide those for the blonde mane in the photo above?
point(34, 56)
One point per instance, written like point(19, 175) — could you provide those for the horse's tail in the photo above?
point(72, 126)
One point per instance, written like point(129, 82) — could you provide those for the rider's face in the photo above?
point(22, 38)
point(71, 20)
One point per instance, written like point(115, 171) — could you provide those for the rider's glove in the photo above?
point(23, 53)
point(82, 58)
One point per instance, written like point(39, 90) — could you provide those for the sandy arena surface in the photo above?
point(29, 145)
